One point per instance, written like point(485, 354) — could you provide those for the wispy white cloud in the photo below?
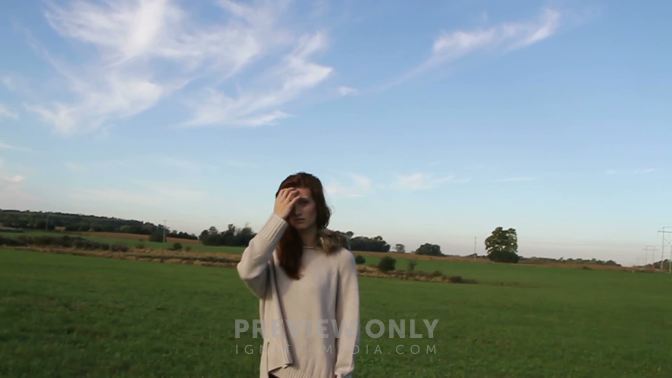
point(357, 185)
point(7, 113)
point(516, 179)
point(12, 193)
point(145, 51)
point(507, 36)
point(448, 47)
point(639, 171)
point(15, 179)
point(146, 194)
point(344, 90)
point(281, 84)
point(156, 162)
point(8, 82)
point(422, 181)
point(7, 146)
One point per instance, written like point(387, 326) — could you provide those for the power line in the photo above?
point(663, 231)
point(652, 250)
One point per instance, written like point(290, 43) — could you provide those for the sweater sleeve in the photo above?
point(347, 317)
point(253, 267)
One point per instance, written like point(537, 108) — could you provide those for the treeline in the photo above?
point(569, 260)
point(241, 236)
point(61, 241)
point(365, 243)
point(233, 236)
point(38, 220)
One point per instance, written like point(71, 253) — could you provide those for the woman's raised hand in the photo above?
point(285, 200)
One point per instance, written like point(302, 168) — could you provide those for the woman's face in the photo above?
point(304, 213)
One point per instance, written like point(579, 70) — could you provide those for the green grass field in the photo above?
point(71, 315)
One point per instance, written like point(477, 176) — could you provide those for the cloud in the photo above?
point(8, 82)
point(12, 194)
point(640, 171)
point(157, 163)
point(508, 36)
point(347, 91)
point(358, 186)
point(281, 84)
point(148, 194)
point(116, 96)
point(145, 51)
point(7, 113)
point(5, 146)
point(422, 181)
point(516, 179)
point(15, 179)
point(449, 47)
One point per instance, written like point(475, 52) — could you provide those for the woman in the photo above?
point(307, 286)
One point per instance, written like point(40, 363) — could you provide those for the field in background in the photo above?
point(130, 240)
point(73, 315)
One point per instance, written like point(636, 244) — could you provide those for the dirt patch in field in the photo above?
point(154, 255)
point(370, 271)
point(229, 260)
point(121, 235)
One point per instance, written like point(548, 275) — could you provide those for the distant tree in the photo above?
point(411, 265)
point(244, 236)
point(345, 238)
point(181, 235)
point(157, 235)
point(364, 243)
point(232, 236)
point(386, 264)
point(429, 249)
point(400, 248)
point(502, 245)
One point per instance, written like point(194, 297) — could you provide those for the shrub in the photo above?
point(140, 246)
point(460, 279)
point(118, 248)
point(386, 264)
point(411, 265)
point(176, 247)
point(359, 259)
point(12, 242)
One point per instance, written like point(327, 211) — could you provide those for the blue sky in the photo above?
point(426, 123)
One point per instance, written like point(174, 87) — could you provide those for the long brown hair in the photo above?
point(290, 247)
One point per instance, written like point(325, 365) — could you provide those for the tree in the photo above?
point(502, 245)
point(157, 234)
point(365, 243)
point(386, 264)
point(400, 248)
point(429, 249)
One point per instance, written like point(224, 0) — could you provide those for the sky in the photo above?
point(426, 122)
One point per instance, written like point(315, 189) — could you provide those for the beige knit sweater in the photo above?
point(310, 326)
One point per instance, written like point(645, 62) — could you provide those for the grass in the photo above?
point(72, 315)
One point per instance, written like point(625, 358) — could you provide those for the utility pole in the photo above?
point(663, 231)
point(474, 246)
